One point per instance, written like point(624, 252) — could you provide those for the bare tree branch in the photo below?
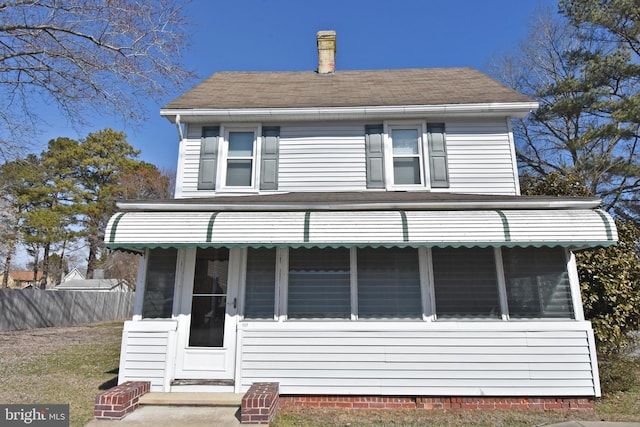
point(87, 55)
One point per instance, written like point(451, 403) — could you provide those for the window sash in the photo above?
point(537, 283)
point(319, 284)
point(260, 284)
point(465, 283)
point(389, 283)
point(239, 158)
point(159, 284)
point(406, 155)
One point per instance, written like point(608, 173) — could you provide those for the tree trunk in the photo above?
point(11, 243)
point(36, 259)
point(7, 266)
point(45, 266)
point(91, 260)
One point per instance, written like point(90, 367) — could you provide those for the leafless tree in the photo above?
point(85, 55)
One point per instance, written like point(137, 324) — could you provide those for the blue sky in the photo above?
point(279, 35)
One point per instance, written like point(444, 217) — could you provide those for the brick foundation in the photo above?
point(423, 402)
point(117, 402)
point(260, 403)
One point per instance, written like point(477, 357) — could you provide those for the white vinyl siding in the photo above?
point(480, 158)
point(331, 156)
point(322, 157)
point(460, 359)
point(189, 165)
point(146, 352)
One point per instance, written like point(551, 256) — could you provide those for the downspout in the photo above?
point(177, 192)
point(179, 127)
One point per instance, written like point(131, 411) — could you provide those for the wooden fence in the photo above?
point(28, 309)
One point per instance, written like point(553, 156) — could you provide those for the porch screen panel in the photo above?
point(319, 283)
point(537, 283)
point(260, 284)
point(159, 283)
point(389, 283)
point(465, 283)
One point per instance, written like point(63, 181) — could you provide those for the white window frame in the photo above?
point(223, 158)
point(422, 155)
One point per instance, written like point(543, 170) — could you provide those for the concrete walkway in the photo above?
point(183, 416)
point(181, 409)
point(595, 424)
point(196, 410)
point(202, 416)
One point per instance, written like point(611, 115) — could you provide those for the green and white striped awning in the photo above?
point(576, 228)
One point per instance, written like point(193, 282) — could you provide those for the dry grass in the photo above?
point(60, 365)
point(73, 365)
point(620, 406)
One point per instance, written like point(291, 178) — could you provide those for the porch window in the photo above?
point(537, 283)
point(388, 283)
point(260, 283)
point(159, 283)
point(319, 283)
point(465, 283)
point(400, 283)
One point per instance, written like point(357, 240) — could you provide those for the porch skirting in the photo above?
point(427, 402)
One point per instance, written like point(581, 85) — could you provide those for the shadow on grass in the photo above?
point(112, 382)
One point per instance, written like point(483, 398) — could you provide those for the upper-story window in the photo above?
point(411, 156)
point(239, 158)
point(407, 156)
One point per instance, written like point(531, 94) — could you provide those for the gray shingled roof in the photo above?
point(426, 86)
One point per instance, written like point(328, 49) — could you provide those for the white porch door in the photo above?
point(207, 321)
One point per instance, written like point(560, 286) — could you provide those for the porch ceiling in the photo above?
point(574, 228)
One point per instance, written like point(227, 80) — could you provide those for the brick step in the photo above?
point(191, 399)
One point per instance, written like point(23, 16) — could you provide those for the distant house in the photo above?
point(22, 279)
point(74, 274)
point(94, 285)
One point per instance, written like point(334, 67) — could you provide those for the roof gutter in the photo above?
point(511, 109)
point(181, 206)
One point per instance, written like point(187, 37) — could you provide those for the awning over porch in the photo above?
point(575, 228)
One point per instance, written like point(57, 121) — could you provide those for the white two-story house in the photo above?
point(357, 233)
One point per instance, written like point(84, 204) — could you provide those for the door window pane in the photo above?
point(159, 283)
point(261, 284)
point(209, 301)
point(319, 283)
point(389, 283)
point(537, 283)
point(465, 283)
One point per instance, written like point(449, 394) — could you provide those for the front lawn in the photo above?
point(73, 365)
point(60, 365)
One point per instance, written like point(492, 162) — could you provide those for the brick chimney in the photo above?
point(326, 52)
